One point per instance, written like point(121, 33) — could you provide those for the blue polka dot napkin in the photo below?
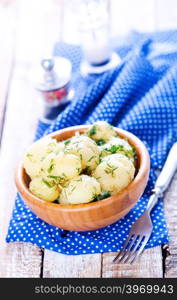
point(139, 96)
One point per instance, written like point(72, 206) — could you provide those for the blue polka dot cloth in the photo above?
point(139, 96)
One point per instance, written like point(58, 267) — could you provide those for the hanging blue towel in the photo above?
point(139, 96)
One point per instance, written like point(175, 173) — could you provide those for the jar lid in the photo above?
point(51, 74)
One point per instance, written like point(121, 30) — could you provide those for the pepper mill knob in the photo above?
point(47, 64)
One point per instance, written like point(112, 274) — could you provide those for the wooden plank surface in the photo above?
point(71, 266)
point(20, 120)
point(22, 112)
point(20, 123)
point(7, 20)
point(22, 261)
point(149, 265)
point(170, 252)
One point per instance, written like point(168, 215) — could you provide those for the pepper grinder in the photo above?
point(52, 80)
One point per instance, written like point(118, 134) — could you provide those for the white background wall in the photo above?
point(126, 15)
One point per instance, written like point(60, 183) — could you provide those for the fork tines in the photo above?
point(132, 248)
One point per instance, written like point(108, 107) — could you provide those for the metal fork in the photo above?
point(142, 228)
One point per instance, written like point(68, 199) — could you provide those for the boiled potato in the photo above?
point(36, 154)
point(83, 168)
point(101, 131)
point(86, 140)
point(61, 167)
point(82, 189)
point(117, 145)
point(86, 150)
point(45, 189)
point(114, 172)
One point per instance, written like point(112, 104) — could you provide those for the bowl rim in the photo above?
point(142, 171)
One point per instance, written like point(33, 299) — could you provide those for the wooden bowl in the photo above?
point(94, 215)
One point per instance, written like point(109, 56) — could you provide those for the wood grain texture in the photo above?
point(12, 148)
point(7, 39)
point(24, 261)
point(171, 217)
point(149, 264)
point(71, 266)
point(20, 115)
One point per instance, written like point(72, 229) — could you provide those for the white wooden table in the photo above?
point(25, 35)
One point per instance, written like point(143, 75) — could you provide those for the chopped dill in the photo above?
point(78, 170)
point(115, 148)
point(54, 177)
point(91, 158)
point(49, 184)
point(120, 148)
point(29, 155)
point(74, 187)
point(100, 142)
point(52, 166)
point(103, 195)
point(110, 169)
point(61, 178)
point(92, 131)
point(66, 142)
point(79, 180)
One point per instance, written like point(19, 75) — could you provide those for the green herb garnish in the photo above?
point(130, 153)
point(92, 131)
point(100, 142)
point(110, 169)
point(91, 158)
point(50, 169)
point(53, 177)
point(66, 142)
point(78, 170)
point(64, 175)
point(49, 184)
point(103, 195)
point(115, 148)
point(29, 155)
point(94, 196)
point(61, 178)
point(120, 148)
point(74, 187)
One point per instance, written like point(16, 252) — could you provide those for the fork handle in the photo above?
point(165, 177)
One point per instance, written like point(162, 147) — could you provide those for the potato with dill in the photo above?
point(61, 167)
point(114, 172)
point(101, 132)
point(86, 149)
point(82, 189)
point(118, 145)
point(86, 167)
point(36, 154)
point(45, 189)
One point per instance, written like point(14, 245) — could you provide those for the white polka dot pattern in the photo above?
point(140, 96)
